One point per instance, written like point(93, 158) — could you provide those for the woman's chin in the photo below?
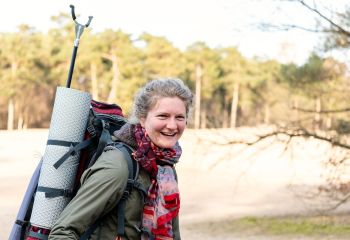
point(166, 144)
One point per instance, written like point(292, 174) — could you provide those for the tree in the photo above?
point(234, 67)
point(267, 94)
point(22, 69)
point(203, 69)
point(316, 81)
point(161, 58)
point(122, 68)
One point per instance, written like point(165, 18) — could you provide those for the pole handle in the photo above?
point(72, 12)
point(79, 29)
point(89, 21)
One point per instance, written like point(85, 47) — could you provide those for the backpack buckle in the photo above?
point(91, 130)
point(125, 195)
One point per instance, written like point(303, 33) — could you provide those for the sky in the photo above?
point(219, 23)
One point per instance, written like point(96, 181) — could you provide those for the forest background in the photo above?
point(231, 90)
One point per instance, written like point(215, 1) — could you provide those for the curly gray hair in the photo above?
point(147, 97)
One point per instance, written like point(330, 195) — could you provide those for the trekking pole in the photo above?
point(79, 29)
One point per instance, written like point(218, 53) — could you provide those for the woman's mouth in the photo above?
point(168, 134)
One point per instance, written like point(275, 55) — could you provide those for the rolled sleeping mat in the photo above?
point(17, 232)
point(67, 128)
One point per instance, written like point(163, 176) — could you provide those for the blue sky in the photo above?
point(217, 22)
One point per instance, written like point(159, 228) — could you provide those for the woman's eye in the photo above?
point(162, 116)
point(181, 118)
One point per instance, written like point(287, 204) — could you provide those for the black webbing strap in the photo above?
point(90, 230)
point(105, 138)
point(122, 202)
point(21, 223)
point(61, 143)
point(73, 149)
point(54, 192)
point(38, 235)
point(120, 217)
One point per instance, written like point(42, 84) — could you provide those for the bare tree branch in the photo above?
point(292, 133)
point(340, 202)
point(287, 27)
point(337, 26)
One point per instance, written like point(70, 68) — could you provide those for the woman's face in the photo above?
point(166, 121)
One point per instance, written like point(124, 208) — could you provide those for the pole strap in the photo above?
point(61, 143)
point(55, 192)
point(21, 223)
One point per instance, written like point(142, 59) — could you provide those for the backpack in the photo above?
point(103, 120)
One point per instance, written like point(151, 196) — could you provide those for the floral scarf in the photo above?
point(162, 203)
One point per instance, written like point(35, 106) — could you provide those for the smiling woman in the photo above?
point(160, 114)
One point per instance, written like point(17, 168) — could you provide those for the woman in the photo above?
point(160, 114)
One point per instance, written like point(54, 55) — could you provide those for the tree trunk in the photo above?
point(198, 96)
point(204, 118)
point(267, 114)
point(234, 105)
point(115, 80)
point(26, 120)
point(225, 114)
point(94, 84)
point(20, 122)
point(10, 114)
point(11, 105)
point(329, 122)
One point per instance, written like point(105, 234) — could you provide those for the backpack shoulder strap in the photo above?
point(133, 168)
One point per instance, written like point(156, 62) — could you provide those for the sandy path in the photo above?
point(216, 182)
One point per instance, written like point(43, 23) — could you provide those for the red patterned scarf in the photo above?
point(162, 203)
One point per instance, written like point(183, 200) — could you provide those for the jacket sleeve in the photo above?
point(102, 187)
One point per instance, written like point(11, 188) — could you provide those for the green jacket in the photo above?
point(102, 187)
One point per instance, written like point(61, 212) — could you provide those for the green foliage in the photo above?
point(35, 63)
point(209, 60)
point(161, 58)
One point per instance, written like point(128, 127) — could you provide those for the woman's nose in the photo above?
point(171, 124)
